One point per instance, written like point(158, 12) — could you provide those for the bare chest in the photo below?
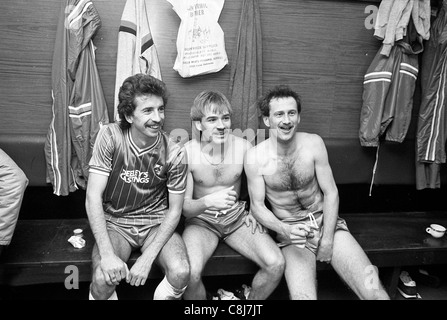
point(290, 174)
point(221, 174)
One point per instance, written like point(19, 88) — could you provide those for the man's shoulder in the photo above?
point(311, 141)
point(111, 127)
point(240, 142)
point(173, 146)
point(309, 137)
point(110, 132)
point(193, 143)
point(192, 147)
point(260, 146)
point(258, 153)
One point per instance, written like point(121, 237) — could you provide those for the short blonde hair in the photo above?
point(213, 101)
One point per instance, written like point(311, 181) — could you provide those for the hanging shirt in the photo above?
point(136, 49)
point(79, 107)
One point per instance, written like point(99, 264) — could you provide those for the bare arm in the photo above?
point(112, 266)
point(221, 200)
point(329, 188)
point(256, 191)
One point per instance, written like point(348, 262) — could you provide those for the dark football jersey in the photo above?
point(139, 179)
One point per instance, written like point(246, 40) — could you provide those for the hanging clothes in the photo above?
point(391, 21)
point(246, 68)
point(393, 18)
point(136, 49)
point(388, 90)
point(431, 130)
point(79, 107)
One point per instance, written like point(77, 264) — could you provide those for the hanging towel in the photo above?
point(79, 108)
point(421, 17)
point(246, 68)
point(136, 49)
point(393, 18)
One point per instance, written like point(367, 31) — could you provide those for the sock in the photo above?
point(112, 297)
point(165, 291)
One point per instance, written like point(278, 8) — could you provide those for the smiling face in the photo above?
point(147, 119)
point(283, 118)
point(215, 125)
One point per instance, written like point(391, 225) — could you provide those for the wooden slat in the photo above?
point(314, 46)
point(40, 252)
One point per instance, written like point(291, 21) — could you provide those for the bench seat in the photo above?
point(40, 252)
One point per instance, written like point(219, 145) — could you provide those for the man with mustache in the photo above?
point(212, 206)
point(133, 168)
point(291, 170)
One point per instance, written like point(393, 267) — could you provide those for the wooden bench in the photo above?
point(40, 252)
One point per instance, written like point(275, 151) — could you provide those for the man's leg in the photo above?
point(13, 183)
point(99, 289)
point(300, 273)
point(260, 248)
point(174, 262)
point(352, 264)
point(200, 244)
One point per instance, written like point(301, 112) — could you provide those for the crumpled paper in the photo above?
point(77, 242)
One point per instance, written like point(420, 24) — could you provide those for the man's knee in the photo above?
point(275, 263)
point(195, 273)
point(178, 272)
point(99, 287)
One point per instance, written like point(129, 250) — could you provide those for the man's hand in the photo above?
point(250, 220)
point(114, 269)
point(296, 234)
point(324, 253)
point(138, 273)
point(221, 200)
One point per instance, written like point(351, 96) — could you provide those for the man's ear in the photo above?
point(129, 118)
point(266, 121)
point(299, 118)
point(198, 125)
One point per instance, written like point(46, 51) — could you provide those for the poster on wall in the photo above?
point(200, 39)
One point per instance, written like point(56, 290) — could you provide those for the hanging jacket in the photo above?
point(136, 49)
point(431, 130)
point(79, 108)
point(388, 90)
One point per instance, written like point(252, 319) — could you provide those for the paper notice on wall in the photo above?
point(200, 39)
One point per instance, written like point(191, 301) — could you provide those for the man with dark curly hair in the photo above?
point(133, 168)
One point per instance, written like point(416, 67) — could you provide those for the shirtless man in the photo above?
point(292, 170)
point(212, 208)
